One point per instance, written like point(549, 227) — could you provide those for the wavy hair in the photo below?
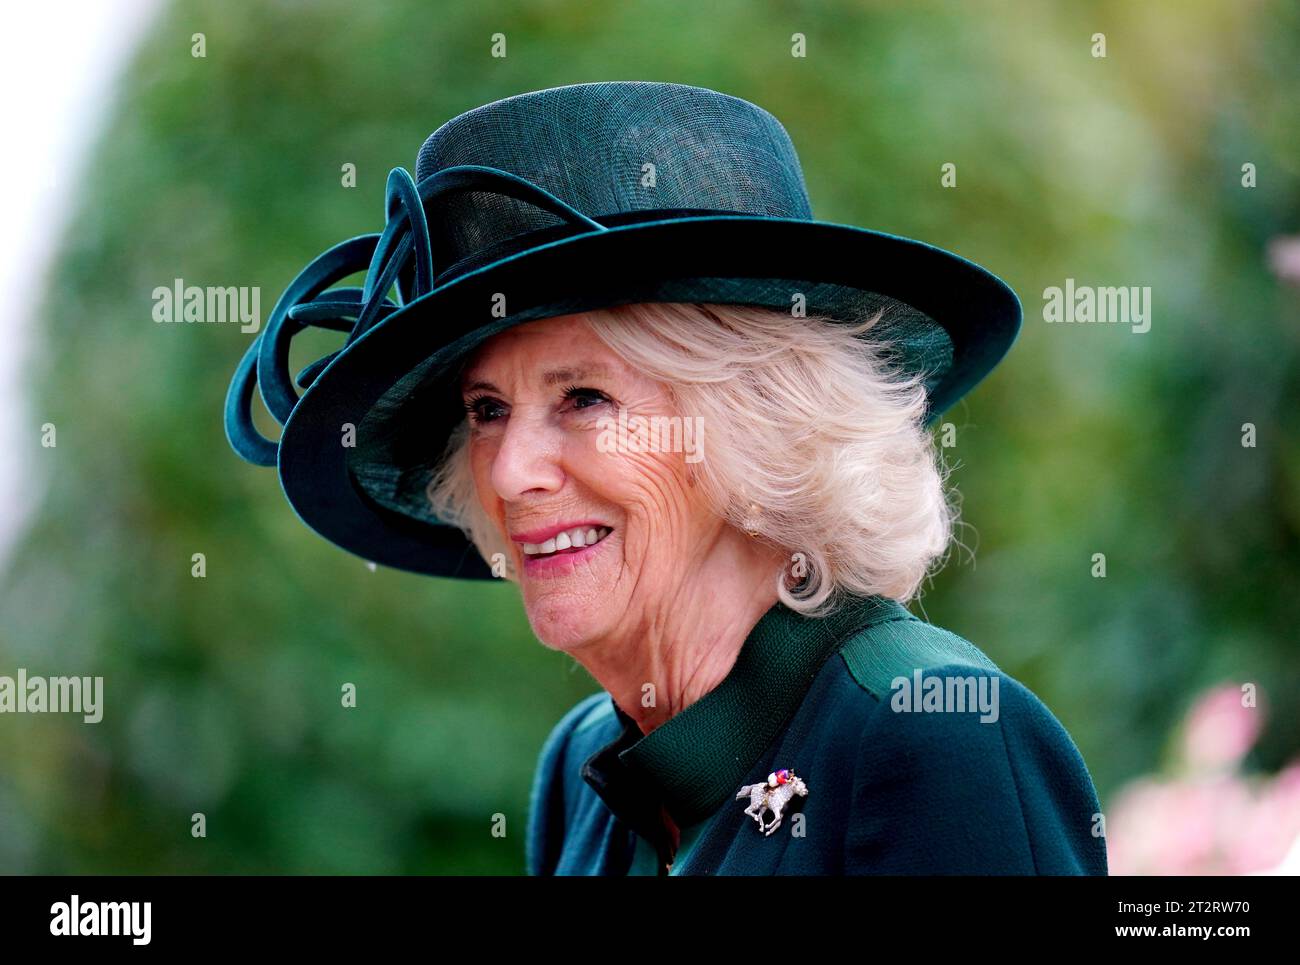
point(816, 444)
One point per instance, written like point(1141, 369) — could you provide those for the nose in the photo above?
point(528, 458)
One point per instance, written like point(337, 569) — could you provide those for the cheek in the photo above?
point(650, 487)
point(481, 454)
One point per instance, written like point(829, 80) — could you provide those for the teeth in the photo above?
point(569, 539)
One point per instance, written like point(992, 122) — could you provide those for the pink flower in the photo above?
point(1284, 258)
point(1219, 730)
point(1210, 820)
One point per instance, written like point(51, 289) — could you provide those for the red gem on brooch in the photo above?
point(772, 795)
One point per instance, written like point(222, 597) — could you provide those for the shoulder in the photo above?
point(959, 765)
point(584, 728)
point(900, 643)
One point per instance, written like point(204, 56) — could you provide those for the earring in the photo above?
point(753, 521)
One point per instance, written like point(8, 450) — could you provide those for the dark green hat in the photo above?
point(555, 202)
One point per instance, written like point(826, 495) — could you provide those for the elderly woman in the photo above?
point(691, 424)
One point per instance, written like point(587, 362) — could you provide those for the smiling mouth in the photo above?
point(569, 541)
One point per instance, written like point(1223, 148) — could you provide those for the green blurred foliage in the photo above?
point(223, 693)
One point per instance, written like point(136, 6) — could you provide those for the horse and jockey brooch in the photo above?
point(772, 795)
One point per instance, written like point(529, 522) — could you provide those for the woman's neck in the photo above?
point(685, 643)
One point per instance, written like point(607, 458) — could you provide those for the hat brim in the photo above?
point(724, 259)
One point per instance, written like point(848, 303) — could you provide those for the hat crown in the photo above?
point(617, 151)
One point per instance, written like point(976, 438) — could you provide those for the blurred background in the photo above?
point(135, 162)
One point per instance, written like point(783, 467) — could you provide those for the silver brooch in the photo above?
point(772, 795)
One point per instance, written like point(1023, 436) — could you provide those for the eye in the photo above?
point(585, 398)
point(484, 408)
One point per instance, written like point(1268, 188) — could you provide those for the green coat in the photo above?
point(919, 755)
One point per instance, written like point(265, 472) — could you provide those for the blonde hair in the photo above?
point(806, 421)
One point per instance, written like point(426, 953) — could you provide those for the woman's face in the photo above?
point(599, 539)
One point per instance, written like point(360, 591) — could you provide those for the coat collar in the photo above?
point(695, 761)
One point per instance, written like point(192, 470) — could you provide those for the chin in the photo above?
point(570, 598)
point(561, 622)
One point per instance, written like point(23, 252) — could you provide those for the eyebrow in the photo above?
point(553, 377)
